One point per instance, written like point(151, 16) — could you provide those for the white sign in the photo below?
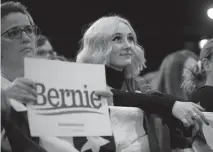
point(66, 103)
point(208, 130)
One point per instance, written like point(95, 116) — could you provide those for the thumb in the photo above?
point(104, 93)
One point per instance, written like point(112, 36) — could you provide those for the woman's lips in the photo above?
point(126, 54)
point(27, 49)
point(28, 52)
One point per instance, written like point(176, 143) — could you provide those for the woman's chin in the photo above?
point(123, 64)
point(128, 61)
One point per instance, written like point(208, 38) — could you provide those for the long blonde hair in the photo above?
point(195, 76)
point(95, 46)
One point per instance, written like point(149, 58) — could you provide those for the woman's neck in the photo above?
point(116, 68)
point(209, 81)
point(114, 77)
point(9, 74)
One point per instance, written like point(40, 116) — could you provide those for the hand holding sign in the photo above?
point(22, 90)
point(106, 94)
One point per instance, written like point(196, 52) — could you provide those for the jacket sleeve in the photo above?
point(204, 96)
point(156, 102)
point(5, 106)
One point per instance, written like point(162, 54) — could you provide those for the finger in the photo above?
point(24, 98)
point(25, 81)
point(28, 99)
point(196, 128)
point(17, 92)
point(26, 88)
point(197, 119)
point(189, 119)
point(198, 107)
point(196, 116)
point(104, 93)
point(202, 116)
point(185, 122)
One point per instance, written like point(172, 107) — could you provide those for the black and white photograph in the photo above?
point(106, 76)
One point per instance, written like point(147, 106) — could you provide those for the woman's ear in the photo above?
point(207, 66)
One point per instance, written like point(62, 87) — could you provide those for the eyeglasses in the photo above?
point(45, 52)
point(16, 32)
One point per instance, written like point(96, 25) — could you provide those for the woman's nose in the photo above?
point(127, 45)
point(25, 38)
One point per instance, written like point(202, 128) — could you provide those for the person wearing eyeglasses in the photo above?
point(17, 41)
point(18, 37)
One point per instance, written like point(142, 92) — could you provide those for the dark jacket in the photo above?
point(204, 96)
point(155, 105)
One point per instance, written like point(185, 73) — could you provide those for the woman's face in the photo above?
point(17, 40)
point(122, 43)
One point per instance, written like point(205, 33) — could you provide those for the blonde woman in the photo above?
point(198, 80)
point(112, 41)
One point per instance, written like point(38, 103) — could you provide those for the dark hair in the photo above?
point(195, 76)
point(14, 7)
point(41, 39)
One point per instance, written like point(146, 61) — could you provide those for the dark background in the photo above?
point(162, 26)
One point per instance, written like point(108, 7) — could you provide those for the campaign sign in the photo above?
point(66, 101)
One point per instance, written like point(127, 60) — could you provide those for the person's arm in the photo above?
point(162, 104)
point(5, 105)
point(157, 102)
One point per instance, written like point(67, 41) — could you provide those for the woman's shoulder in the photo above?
point(205, 91)
point(144, 86)
point(204, 96)
point(141, 84)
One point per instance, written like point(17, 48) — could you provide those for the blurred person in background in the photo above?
point(168, 80)
point(169, 77)
point(45, 50)
point(44, 47)
point(150, 76)
point(191, 46)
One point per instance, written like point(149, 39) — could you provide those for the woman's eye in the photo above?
point(13, 32)
point(130, 38)
point(117, 38)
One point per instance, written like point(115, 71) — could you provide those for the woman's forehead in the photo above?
point(122, 28)
point(112, 27)
point(13, 20)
